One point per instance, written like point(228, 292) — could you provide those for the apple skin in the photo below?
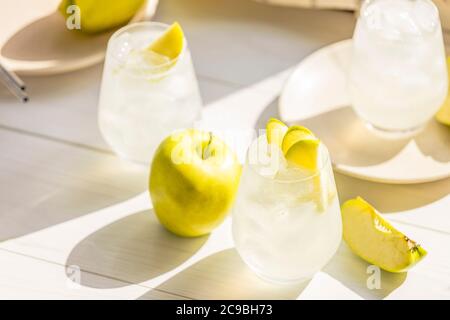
point(191, 194)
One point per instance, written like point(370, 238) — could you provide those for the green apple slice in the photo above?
point(293, 135)
point(275, 131)
point(304, 154)
point(375, 240)
point(443, 115)
point(170, 43)
point(302, 150)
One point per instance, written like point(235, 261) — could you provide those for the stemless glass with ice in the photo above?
point(144, 97)
point(398, 78)
point(286, 223)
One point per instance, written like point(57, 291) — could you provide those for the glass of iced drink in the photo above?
point(146, 94)
point(286, 220)
point(398, 78)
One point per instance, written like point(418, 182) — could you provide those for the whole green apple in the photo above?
point(193, 182)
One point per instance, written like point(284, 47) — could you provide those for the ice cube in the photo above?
point(396, 19)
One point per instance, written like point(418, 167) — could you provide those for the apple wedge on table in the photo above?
point(375, 240)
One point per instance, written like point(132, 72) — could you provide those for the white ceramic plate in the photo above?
point(35, 41)
point(316, 96)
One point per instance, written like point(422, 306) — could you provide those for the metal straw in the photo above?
point(13, 83)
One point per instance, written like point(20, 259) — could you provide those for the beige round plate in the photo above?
point(35, 41)
point(315, 96)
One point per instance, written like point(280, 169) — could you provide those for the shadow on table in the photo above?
point(352, 272)
point(342, 127)
point(134, 249)
point(391, 198)
point(224, 275)
point(351, 143)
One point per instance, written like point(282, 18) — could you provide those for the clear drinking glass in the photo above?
point(286, 224)
point(398, 78)
point(142, 102)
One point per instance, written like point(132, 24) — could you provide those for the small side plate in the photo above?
point(34, 39)
point(316, 96)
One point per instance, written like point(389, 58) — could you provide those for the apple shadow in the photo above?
point(223, 275)
point(134, 249)
point(352, 272)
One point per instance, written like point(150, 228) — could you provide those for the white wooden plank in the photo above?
point(26, 278)
point(44, 183)
point(223, 275)
point(61, 106)
point(123, 242)
point(244, 42)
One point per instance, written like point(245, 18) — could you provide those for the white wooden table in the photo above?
point(67, 200)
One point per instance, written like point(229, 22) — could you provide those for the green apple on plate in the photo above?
point(101, 15)
point(193, 182)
